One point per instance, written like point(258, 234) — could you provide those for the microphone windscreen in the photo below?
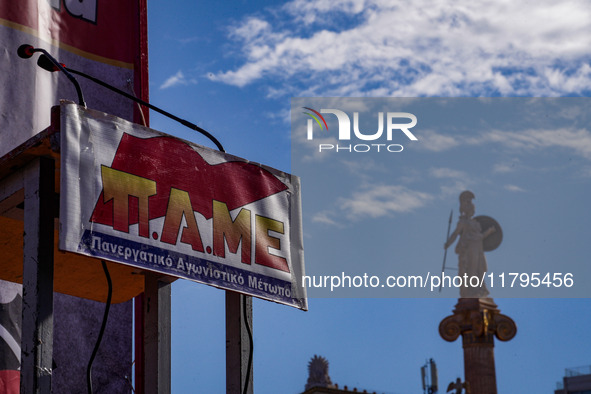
point(46, 64)
point(25, 51)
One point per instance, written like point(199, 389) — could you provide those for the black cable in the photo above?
point(43, 62)
point(51, 65)
point(102, 330)
point(25, 51)
point(251, 343)
point(142, 102)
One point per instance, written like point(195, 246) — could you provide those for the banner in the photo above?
point(106, 39)
point(142, 198)
point(101, 38)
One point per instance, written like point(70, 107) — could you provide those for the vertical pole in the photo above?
point(37, 323)
point(138, 306)
point(238, 343)
point(156, 335)
point(479, 363)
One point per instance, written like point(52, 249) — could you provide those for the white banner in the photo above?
point(139, 197)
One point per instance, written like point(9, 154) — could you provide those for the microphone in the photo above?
point(45, 63)
point(25, 51)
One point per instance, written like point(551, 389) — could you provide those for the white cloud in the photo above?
point(514, 188)
point(365, 169)
point(251, 29)
point(309, 12)
point(423, 48)
point(382, 200)
point(436, 142)
point(503, 168)
point(443, 172)
point(578, 140)
point(325, 218)
point(177, 79)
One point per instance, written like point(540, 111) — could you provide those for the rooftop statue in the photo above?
point(318, 373)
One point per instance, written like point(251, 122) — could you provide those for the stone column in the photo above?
point(478, 320)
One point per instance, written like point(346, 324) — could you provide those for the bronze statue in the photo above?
point(458, 386)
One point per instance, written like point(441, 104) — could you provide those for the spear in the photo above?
point(445, 253)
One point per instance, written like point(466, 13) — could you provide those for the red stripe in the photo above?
point(318, 113)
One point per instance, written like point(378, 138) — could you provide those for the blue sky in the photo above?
point(233, 69)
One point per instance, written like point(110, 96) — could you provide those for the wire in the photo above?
point(220, 148)
point(139, 106)
point(48, 63)
point(251, 343)
point(184, 122)
point(102, 330)
point(66, 72)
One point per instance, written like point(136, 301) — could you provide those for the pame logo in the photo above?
point(173, 195)
point(394, 125)
point(81, 9)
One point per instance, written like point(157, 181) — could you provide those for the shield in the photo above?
point(493, 240)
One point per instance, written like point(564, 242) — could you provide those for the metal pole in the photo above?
point(37, 326)
point(238, 343)
point(157, 339)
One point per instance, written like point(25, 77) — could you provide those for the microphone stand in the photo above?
point(26, 51)
point(48, 65)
